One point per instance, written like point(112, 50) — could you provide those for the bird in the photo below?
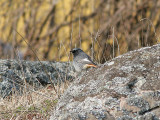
point(81, 61)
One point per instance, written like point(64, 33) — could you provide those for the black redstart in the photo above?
point(81, 60)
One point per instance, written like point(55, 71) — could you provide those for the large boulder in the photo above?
point(15, 75)
point(126, 88)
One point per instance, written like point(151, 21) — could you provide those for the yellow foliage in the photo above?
point(52, 28)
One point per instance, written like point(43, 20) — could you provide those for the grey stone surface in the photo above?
point(14, 74)
point(125, 88)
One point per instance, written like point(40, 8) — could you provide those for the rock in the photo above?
point(126, 88)
point(14, 74)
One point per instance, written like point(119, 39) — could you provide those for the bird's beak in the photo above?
point(71, 51)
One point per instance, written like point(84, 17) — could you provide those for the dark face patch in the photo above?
point(76, 51)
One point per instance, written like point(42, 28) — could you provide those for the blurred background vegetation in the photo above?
point(104, 29)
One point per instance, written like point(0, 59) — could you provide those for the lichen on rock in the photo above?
point(126, 88)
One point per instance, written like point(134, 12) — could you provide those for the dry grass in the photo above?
point(31, 105)
point(38, 104)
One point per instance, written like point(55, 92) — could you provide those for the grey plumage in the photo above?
point(81, 60)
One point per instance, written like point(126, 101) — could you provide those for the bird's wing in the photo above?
point(85, 60)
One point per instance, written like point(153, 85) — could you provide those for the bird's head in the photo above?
point(76, 51)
